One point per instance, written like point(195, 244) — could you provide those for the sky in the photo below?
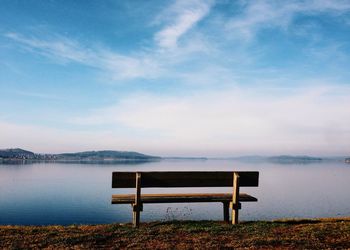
point(176, 78)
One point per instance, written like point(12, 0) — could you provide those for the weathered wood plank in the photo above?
point(185, 179)
point(179, 198)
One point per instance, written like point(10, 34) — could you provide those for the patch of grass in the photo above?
point(285, 234)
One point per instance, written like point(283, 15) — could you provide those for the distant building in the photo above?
point(347, 160)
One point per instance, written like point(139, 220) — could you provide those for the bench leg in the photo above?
point(226, 211)
point(235, 214)
point(136, 211)
point(136, 218)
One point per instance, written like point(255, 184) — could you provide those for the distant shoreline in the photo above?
point(18, 154)
point(112, 156)
point(104, 162)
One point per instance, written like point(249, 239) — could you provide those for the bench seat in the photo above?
point(178, 198)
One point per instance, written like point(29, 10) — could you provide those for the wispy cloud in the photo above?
point(64, 50)
point(38, 95)
point(116, 67)
point(143, 63)
point(129, 67)
point(57, 47)
point(269, 13)
point(184, 15)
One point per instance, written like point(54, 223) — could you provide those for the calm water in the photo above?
point(80, 193)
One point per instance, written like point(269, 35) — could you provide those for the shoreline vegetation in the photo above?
point(330, 233)
point(18, 155)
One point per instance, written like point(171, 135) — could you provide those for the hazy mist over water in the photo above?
point(52, 193)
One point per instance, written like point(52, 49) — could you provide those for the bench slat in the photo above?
point(178, 198)
point(185, 179)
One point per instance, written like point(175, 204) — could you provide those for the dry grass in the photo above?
point(287, 234)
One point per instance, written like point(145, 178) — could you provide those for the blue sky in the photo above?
point(211, 78)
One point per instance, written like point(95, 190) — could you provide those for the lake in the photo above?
point(54, 193)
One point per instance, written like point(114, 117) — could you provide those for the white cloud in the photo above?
point(269, 13)
point(239, 121)
point(184, 15)
point(128, 67)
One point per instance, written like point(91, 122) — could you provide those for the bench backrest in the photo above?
point(184, 179)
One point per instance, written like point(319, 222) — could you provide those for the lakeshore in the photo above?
point(330, 233)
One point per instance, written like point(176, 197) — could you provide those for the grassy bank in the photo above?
point(288, 234)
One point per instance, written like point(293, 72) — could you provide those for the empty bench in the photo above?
point(139, 180)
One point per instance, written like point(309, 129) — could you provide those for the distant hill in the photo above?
point(105, 155)
point(287, 159)
point(16, 153)
point(294, 159)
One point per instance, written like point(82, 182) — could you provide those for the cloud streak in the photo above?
point(148, 63)
point(64, 50)
point(58, 47)
point(186, 14)
point(267, 13)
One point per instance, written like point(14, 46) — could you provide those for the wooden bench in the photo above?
point(140, 180)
